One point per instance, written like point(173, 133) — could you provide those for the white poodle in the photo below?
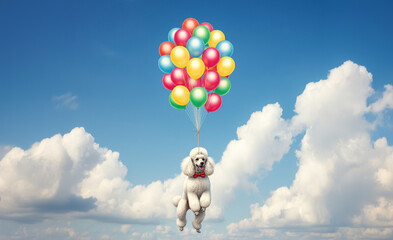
point(196, 195)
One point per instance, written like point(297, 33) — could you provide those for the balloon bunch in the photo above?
point(197, 63)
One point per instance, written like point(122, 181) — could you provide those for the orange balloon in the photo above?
point(166, 48)
point(190, 24)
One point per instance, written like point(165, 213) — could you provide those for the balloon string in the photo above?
point(197, 135)
point(198, 141)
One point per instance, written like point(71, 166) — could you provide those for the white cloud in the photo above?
point(262, 141)
point(45, 176)
point(385, 102)
point(378, 214)
point(343, 178)
point(66, 101)
point(72, 173)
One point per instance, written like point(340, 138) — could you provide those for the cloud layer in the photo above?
point(343, 188)
point(71, 174)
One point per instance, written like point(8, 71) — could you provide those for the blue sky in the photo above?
point(93, 64)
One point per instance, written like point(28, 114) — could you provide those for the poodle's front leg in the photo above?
point(193, 201)
point(205, 200)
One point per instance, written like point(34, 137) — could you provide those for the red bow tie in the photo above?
point(202, 174)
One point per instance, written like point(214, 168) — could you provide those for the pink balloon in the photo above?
point(167, 82)
point(211, 80)
point(181, 37)
point(208, 25)
point(191, 83)
point(178, 76)
point(210, 57)
point(213, 103)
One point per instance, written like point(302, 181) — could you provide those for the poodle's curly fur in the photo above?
point(196, 195)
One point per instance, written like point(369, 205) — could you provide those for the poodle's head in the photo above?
point(198, 161)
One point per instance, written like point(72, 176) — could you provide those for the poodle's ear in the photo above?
point(209, 169)
point(187, 167)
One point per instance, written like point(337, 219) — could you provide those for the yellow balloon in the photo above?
point(180, 56)
point(225, 66)
point(181, 95)
point(216, 36)
point(195, 68)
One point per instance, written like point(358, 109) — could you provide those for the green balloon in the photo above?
point(202, 32)
point(198, 96)
point(224, 86)
point(175, 105)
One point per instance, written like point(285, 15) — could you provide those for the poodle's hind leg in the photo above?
point(182, 208)
point(197, 222)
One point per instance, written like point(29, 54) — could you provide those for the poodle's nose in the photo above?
point(202, 163)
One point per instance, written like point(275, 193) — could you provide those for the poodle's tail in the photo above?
point(176, 200)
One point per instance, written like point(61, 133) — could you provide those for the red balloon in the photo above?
point(211, 80)
point(213, 103)
point(191, 83)
point(178, 76)
point(167, 82)
point(166, 48)
point(181, 37)
point(208, 25)
point(210, 57)
point(190, 24)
